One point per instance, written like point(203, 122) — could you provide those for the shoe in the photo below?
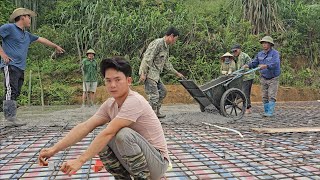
point(248, 111)
point(14, 123)
point(159, 115)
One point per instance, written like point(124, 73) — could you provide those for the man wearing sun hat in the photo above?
point(15, 43)
point(227, 65)
point(89, 68)
point(269, 62)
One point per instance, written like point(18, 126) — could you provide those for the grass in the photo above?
point(198, 7)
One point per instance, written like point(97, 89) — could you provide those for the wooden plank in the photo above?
point(284, 130)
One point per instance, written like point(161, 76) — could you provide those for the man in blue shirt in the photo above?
point(14, 50)
point(269, 62)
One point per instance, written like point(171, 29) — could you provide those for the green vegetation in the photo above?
point(125, 27)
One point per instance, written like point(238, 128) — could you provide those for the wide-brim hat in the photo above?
point(90, 51)
point(267, 39)
point(20, 12)
point(227, 55)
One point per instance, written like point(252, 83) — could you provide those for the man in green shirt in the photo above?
point(242, 59)
point(155, 59)
point(89, 70)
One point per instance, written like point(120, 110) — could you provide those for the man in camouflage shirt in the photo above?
point(242, 59)
point(155, 59)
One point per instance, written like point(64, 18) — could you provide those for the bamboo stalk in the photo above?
point(29, 90)
point(41, 87)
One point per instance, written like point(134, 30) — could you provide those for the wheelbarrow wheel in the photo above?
point(202, 108)
point(233, 103)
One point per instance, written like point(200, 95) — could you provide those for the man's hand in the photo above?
point(142, 78)
point(5, 58)
point(263, 66)
point(45, 154)
point(60, 50)
point(72, 166)
point(180, 75)
point(245, 66)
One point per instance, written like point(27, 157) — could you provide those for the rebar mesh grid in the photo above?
point(195, 152)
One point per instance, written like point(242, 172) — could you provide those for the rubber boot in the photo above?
point(10, 112)
point(272, 105)
point(266, 109)
point(159, 114)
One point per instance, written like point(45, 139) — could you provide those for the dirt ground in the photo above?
point(177, 94)
point(176, 114)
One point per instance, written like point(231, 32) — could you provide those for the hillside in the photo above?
point(208, 29)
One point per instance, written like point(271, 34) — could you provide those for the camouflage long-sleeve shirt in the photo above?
point(155, 59)
point(242, 60)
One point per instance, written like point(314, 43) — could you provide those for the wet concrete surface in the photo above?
point(197, 150)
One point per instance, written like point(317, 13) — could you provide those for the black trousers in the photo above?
point(15, 78)
point(246, 88)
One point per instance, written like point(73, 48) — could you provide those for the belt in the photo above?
point(267, 78)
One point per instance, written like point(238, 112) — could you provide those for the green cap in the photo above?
point(90, 51)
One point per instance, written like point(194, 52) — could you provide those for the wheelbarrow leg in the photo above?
point(202, 108)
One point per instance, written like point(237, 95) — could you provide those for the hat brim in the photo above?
point(223, 57)
point(261, 41)
point(25, 12)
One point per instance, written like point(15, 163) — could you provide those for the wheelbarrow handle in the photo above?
point(237, 71)
point(251, 70)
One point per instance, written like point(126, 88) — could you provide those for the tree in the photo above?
point(263, 15)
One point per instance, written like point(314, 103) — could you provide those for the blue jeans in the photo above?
point(15, 77)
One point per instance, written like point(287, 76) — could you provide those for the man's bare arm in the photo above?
point(102, 139)
point(50, 44)
point(78, 133)
point(75, 135)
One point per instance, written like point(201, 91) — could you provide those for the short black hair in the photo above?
point(172, 30)
point(19, 17)
point(118, 63)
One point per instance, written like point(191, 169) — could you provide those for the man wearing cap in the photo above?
point(227, 65)
point(155, 59)
point(241, 59)
point(269, 62)
point(15, 44)
point(89, 68)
